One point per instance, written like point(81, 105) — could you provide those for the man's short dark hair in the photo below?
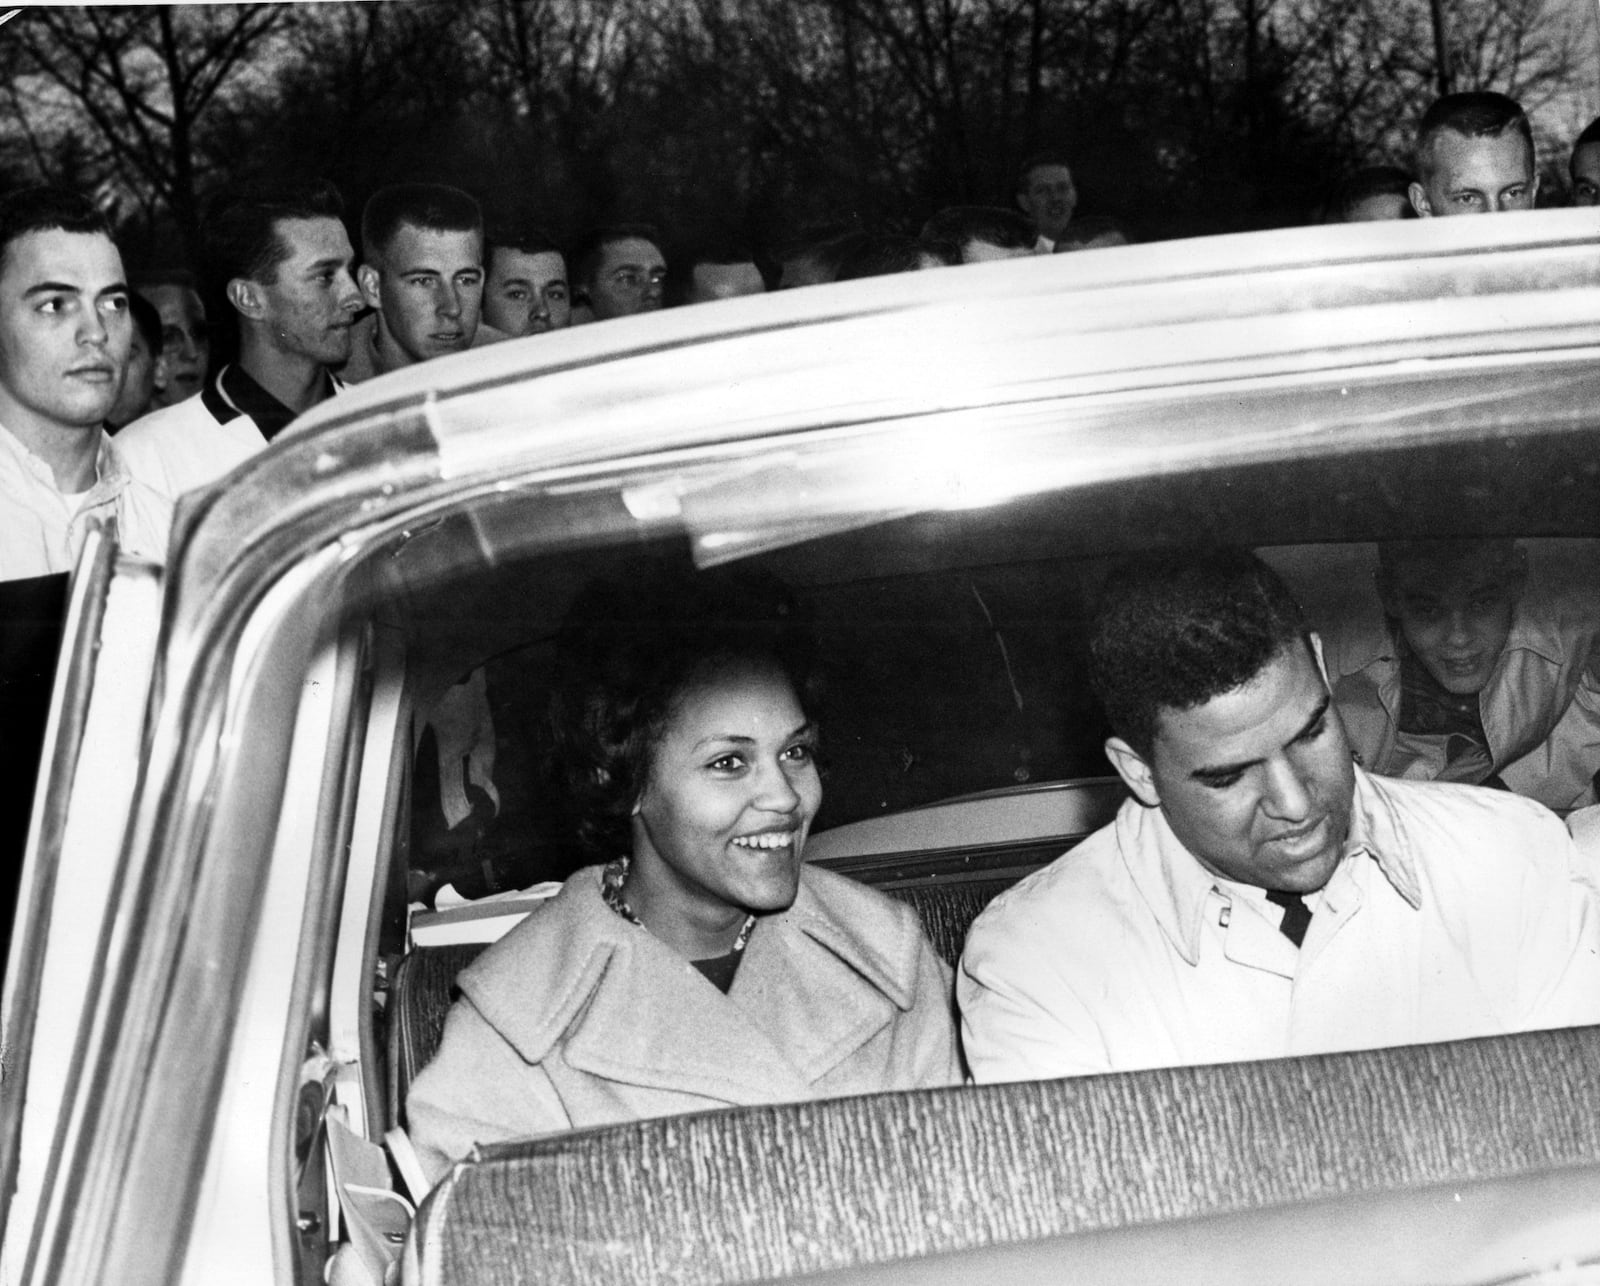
point(825, 252)
point(958, 224)
point(1500, 557)
point(1368, 182)
point(1479, 113)
point(1591, 134)
point(883, 253)
point(239, 232)
point(434, 206)
point(1173, 630)
point(47, 209)
point(524, 238)
point(1038, 161)
point(147, 320)
point(594, 246)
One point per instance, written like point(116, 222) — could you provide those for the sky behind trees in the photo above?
point(749, 118)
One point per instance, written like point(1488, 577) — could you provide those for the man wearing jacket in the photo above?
point(1472, 666)
point(1261, 896)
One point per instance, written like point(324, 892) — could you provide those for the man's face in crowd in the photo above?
point(628, 279)
point(1456, 612)
point(1257, 783)
point(143, 376)
point(429, 290)
point(185, 340)
point(1586, 175)
point(1048, 197)
point(312, 300)
point(1468, 175)
point(527, 293)
point(64, 330)
point(708, 281)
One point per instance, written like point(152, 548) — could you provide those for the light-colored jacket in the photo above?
point(578, 1018)
point(1456, 911)
point(1540, 708)
point(42, 531)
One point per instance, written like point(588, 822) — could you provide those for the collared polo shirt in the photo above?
point(194, 442)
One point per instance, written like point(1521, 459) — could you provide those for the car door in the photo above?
point(66, 917)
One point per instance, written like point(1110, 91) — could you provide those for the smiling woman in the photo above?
point(701, 964)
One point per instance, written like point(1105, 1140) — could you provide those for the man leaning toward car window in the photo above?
point(1474, 155)
point(65, 335)
point(1471, 667)
point(1260, 895)
point(281, 254)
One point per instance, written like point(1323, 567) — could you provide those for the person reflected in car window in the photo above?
point(699, 963)
point(1260, 895)
point(1473, 671)
point(1584, 166)
point(1474, 155)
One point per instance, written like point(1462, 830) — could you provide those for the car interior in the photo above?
point(961, 750)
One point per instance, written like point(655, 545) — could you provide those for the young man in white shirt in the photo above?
point(1260, 895)
point(65, 334)
point(285, 260)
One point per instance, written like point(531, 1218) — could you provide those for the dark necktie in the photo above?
point(1296, 914)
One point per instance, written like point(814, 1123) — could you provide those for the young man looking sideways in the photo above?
point(284, 258)
point(64, 340)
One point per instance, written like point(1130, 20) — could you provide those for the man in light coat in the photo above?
point(1260, 896)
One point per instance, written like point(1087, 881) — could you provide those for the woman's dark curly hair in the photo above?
point(628, 650)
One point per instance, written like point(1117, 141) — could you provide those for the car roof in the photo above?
point(767, 421)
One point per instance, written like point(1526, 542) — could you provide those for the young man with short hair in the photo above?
point(1470, 668)
point(64, 339)
point(722, 270)
point(527, 291)
point(1260, 895)
point(1048, 196)
point(621, 271)
point(1474, 155)
point(282, 255)
point(422, 274)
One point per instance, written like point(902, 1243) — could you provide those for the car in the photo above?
point(218, 981)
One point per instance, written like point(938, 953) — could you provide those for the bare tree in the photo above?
point(125, 93)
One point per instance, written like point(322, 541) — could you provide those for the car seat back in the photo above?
point(773, 1192)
